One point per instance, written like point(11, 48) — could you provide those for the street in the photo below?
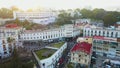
point(65, 56)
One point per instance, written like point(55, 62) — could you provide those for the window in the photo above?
point(95, 32)
point(79, 59)
point(85, 60)
point(79, 55)
point(5, 52)
point(111, 33)
point(3, 41)
point(73, 54)
point(73, 58)
point(48, 36)
point(4, 47)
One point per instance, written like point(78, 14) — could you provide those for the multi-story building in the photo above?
point(70, 30)
point(106, 46)
point(10, 30)
point(41, 17)
point(3, 21)
point(81, 53)
point(9, 36)
point(113, 33)
point(55, 55)
point(42, 35)
point(6, 47)
point(64, 31)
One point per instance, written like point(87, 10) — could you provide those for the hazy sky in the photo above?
point(60, 4)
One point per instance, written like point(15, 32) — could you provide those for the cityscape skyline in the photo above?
point(61, 4)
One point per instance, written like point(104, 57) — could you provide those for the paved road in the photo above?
point(65, 56)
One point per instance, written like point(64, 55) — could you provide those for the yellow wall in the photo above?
point(89, 40)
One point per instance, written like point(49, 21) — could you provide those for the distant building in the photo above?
point(106, 32)
point(64, 31)
point(41, 17)
point(70, 30)
point(3, 21)
point(83, 21)
point(81, 53)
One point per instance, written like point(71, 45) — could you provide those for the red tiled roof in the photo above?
point(98, 37)
point(104, 38)
point(11, 26)
point(83, 46)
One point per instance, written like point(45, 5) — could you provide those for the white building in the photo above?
point(9, 31)
point(113, 33)
point(70, 30)
point(3, 21)
point(51, 61)
point(6, 48)
point(42, 35)
point(83, 21)
point(106, 46)
point(41, 17)
point(64, 31)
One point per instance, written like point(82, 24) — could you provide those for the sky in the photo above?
point(61, 4)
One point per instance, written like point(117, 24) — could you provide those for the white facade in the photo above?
point(5, 33)
point(106, 46)
point(71, 31)
point(101, 32)
point(42, 17)
point(3, 21)
point(42, 35)
point(5, 48)
point(51, 61)
point(64, 31)
point(10, 32)
point(83, 21)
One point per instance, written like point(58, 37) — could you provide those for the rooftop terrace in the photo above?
point(57, 45)
point(45, 53)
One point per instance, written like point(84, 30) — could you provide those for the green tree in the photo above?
point(86, 13)
point(18, 22)
point(63, 18)
point(6, 13)
point(99, 13)
point(109, 19)
point(14, 8)
point(9, 39)
point(15, 61)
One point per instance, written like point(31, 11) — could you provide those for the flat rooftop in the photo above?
point(45, 53)
point(57, 45)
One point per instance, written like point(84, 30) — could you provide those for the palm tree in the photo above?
point(9, 39)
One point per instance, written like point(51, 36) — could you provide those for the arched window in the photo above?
point(111, 34)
